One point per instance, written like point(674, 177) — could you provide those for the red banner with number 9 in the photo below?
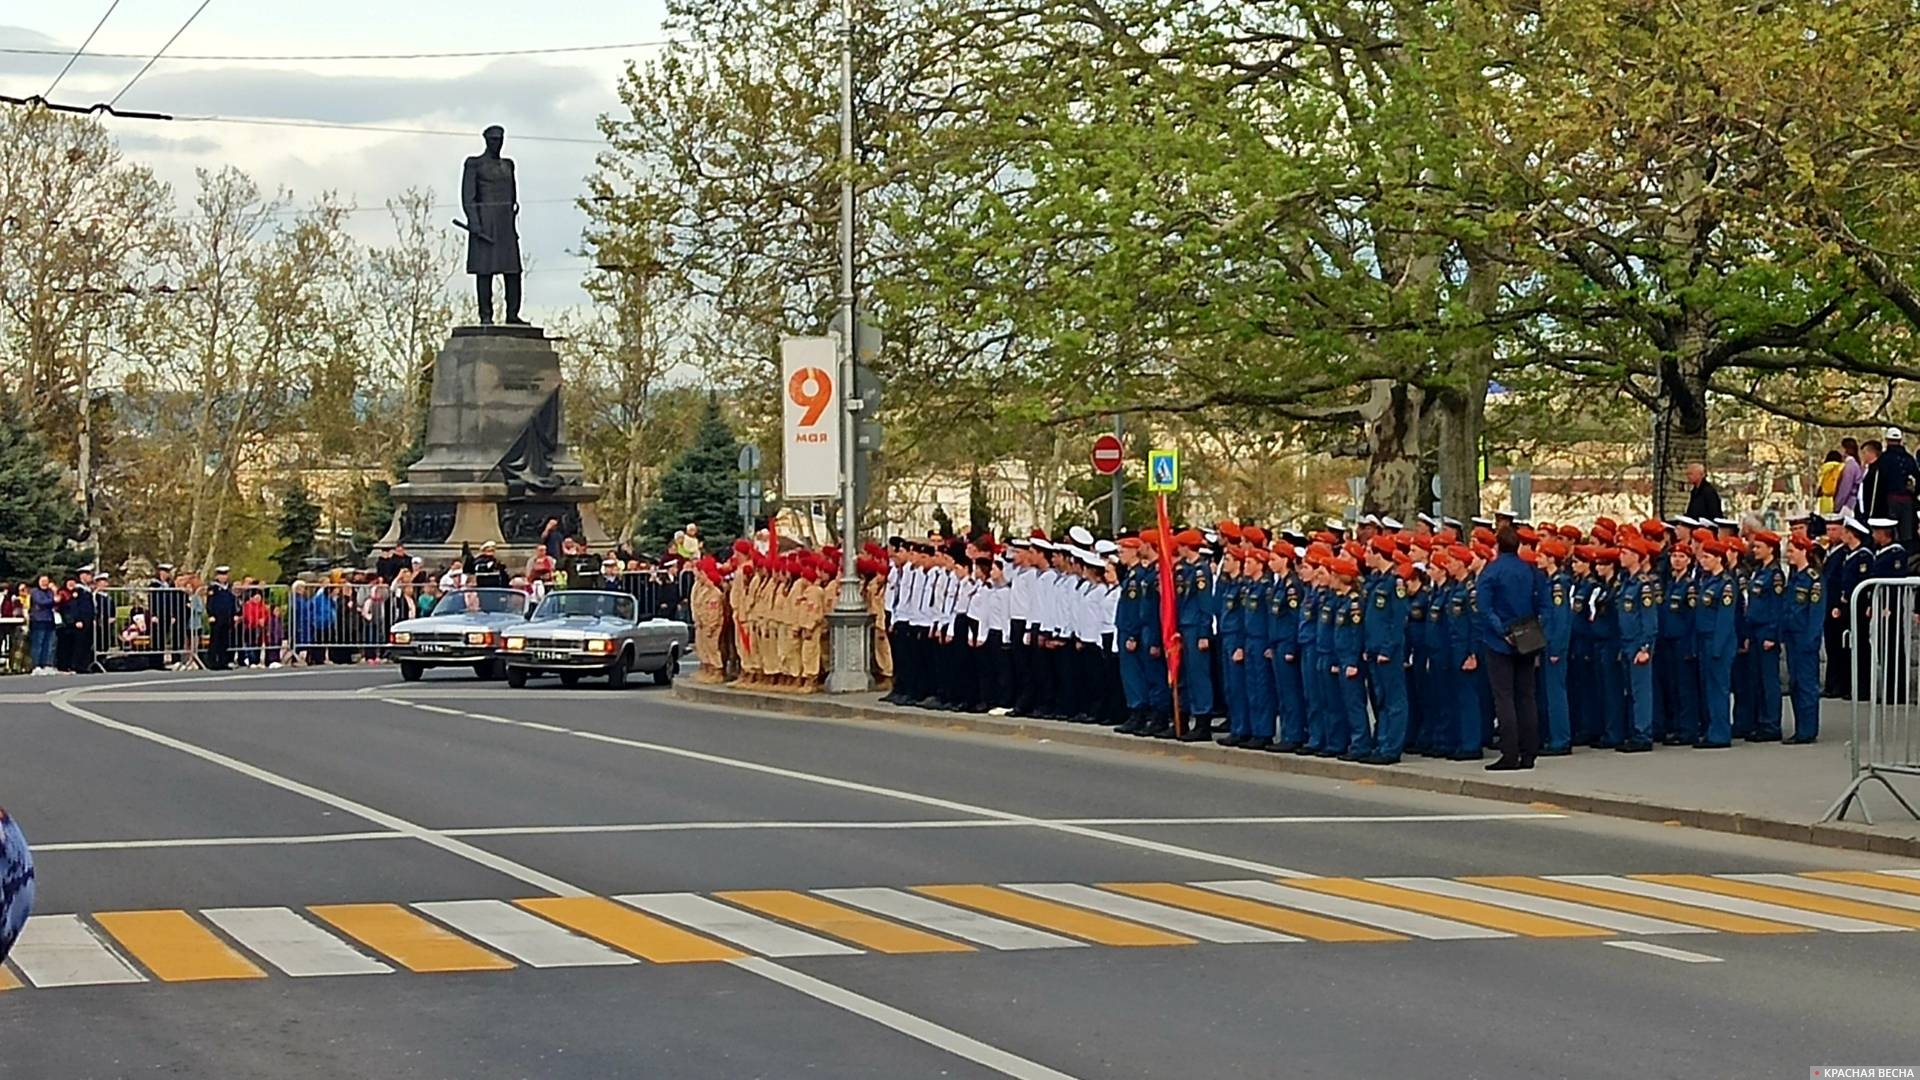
point(812, 390)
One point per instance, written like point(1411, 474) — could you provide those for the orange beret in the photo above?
point(1606, 523)
point(1131, 542)
point(1529, 556)
point(1771, 539)
point(1150, 536)
point(1555, 549)
point(1528, 535)
point(1384, 545)
point(1570, 532)
point(1701, 536)
point(1189, 538)
point(1346, 568)
point(1255, 535)
point(1482, 535)
point(1228, 529)
point(1405, 571)
point(1606, 555)
point(1652, 530)
point(1284, 550)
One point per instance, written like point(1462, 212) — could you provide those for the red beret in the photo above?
point(1652, 530)
point(1529, 556)
point(1771, 539)
point(1384, 545)
point(1570, 532)
point(1255, 535)
point(1804, 544)
point(1150, 536)
point(1229, 530)
point(1345, 567)
point(1555, 549)
point(1606, 556)
point(1405, 571)
point(1701, 536)
point(1189, 538)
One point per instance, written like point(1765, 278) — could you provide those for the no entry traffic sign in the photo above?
point(1108, 454)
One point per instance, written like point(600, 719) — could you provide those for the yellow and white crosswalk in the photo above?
point(241, 943)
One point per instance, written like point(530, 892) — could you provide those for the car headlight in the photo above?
point(402, 637)
point(515, 644)
point(599, 645)
point(480, 637)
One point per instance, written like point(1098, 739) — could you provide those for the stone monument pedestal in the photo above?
point(495, 466)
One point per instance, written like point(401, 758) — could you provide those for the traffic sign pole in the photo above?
point(1117, 512)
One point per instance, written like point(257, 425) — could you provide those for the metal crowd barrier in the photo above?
point(342, 624)
point(142, 626)
point(1885, 617)
point(663, 596)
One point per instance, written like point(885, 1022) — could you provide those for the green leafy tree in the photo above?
point(701, 486)
point(39, 521)
point(299, 521)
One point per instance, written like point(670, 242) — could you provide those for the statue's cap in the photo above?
point(492, 130)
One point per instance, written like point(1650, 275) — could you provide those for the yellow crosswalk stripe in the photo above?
point(1889, 882)
point(634, 931)
point(1640, 905)
point(408, 939)
point(8, 980)
point(174, 947)
point(1072, 921)
point(1794, 898)
point(1299, 923)
point(1447, 907)
point(842, 922)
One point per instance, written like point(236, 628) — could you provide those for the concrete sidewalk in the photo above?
point(1767, 790)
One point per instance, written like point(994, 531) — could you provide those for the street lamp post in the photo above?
point(849, 622)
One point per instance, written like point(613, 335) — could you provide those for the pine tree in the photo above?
point(299, 520)
point(39, 519)
point(701, 486)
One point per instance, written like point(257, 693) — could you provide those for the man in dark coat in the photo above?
point(1704, 503)
point(491, 200)
point(1893, 484)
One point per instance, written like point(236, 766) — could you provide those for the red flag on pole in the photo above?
point(1169, 626)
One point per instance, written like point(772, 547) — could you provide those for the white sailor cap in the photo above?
point(222, 569)
point(1045, 544)
point(1432, 522)
point(1854, 525)
point(1726, 523)
point(1391, 523)
point(87, 569)
point(1091, 559)
point(1799, 516)
point(167, 566)
point(1485, 523)
point(1370, 519)
point(1337, 524)
point(1882, 523)
point(1019, 541)
point(1452, 522)
point(1525, 523)
point(1691, 523)
point(1893, 434)
point(1105, 547)
point(1079, 535)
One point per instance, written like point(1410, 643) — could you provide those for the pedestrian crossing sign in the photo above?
point(1163, 470)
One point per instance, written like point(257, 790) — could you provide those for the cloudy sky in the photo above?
point(555, 96)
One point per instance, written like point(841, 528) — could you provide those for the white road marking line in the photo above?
point(1414, 923)
point(217, 841)
point(339, 802)
point(1248, 865)
point(1191, 923)
point(424, 707)
point(1668, 952)
point(1903, 873)
point(906, 1023)
point(742, 928)
point(1883, 897)
point(949, 920)
point(1622, 921)
point(750, 826)
point(1737, 904)
point(523, 935)
point(292, 944)
point(60, 950)
point(898, 1020)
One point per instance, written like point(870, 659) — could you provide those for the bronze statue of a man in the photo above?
point(491, 200)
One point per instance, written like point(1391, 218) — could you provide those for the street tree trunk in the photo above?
point(1680, 420)
point(1392, 420)
point(1463, 400)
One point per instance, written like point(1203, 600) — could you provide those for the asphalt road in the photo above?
point(335, 802)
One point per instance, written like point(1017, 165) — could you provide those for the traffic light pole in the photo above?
point(849, 622)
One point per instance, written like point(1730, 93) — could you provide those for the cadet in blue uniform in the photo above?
point(1582, 680)
point(1439, 690)
point(1858, 568)
point(1714, 624)
point(1766, 625)
point(1833, 569)
point(1805, 626)
point(1384, 646)
point(1131, 615)
point(1333, 721)
point(1254, 594)
point(1283, 645)
point(1882, 624)
point(1463, 633)
point(1312, 681)
point(1638, 614)
point(1609, 673)
point(1349, 661)
point(1676, 662)
point(1194, 615)
point(1229, 592)
point(1419, 705)
point(1556, 736)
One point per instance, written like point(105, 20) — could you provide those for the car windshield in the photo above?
point(482, 602)
point(593, 604)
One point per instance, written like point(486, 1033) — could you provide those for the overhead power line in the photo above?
point(156, 56)
point(337, 57)
point(55, 85)
point(274, 121)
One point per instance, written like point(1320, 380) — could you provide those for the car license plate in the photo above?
point(550, 654)
point(435, 647)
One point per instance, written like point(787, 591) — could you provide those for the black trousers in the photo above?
point(957, 670)
point(993, 662)
point(1839, 657)
point(219, 643)
point(1514, 703)
point(483, 288)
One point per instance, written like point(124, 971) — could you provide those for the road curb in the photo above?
point(819, 706)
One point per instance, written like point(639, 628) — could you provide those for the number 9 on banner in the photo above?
point(810, 432)
point(812, 390)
